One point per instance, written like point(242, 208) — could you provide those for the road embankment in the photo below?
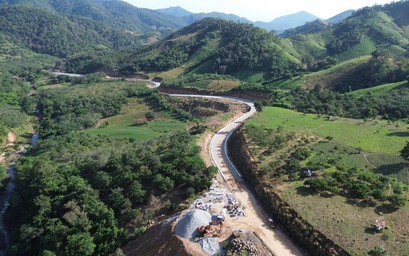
point(288, 219)
point(251, 95)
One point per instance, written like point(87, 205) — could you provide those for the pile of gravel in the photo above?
point(210, 245)
point(188, 224)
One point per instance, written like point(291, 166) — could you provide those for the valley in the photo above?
point(143, 116)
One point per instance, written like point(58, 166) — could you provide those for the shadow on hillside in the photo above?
point(388, 169)
point(398, 134)
point(386, 208)
point(303, 191)
point(370, 230)
point(402, 86)
point(136, 125)
point(27, 136)
point(360, 203)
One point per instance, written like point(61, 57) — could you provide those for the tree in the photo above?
point(397, 201)
point(80, 244)
point(258, 107)
point(378, 251)
point(149, 116)
point(405, 151)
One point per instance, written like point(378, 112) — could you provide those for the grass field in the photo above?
point(132, 123)
point(325, 78)
point(371, 145)
point(380, 89)
point(350, 223)
point(373, 136)
point(365, 47)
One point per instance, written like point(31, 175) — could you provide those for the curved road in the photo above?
point(274, 239)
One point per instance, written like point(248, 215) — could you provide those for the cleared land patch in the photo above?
point(132, 123)
point(373, 136)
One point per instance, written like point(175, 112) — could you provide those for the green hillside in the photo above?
point(49, 33)
point(216, 46)
point(382, 89)
point(117, 14)
point(379, 28)
point(357, 174)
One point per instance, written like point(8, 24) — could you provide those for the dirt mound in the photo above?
point(188, 224)
point(159, 240)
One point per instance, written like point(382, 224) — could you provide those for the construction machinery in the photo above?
point(213, 229)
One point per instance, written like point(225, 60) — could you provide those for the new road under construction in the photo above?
point(229, 213)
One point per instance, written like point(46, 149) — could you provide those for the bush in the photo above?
point(317, 184)
point(378, 251)
point(397, 200)
point(293, 165)
point(197, 129)
point(149, 116)
point(301, 153)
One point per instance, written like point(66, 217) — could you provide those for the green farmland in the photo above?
point(374, 136)
point(132, 123)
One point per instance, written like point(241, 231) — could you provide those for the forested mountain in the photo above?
point(279, 24)
point(114, 13)
point(63, 28)
point(49, 33)
point(175, 11)
point(243, 50)
point(376, 27)
point(380, 32)
point(213, 46)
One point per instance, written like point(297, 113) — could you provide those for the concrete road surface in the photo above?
point(256, 218)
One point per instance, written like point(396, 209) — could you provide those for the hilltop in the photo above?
point(208, 46)
point(117, 14)
point(252, 54)
point(287, 21)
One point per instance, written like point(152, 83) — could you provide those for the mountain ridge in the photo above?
point(118, 14)
point(278, 24)
point(287, 21)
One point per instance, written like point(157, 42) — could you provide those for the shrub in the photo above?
point(317, 184)
point(149, 116)
point(397, 201)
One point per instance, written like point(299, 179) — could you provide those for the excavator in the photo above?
point(213, 229)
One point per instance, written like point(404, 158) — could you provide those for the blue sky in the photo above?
point(261, 10)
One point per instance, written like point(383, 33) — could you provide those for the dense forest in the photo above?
point(77, 194)
point(232, 47)
point(83, 194)
point(115, 14)
point(391, 106)
point(63, 36)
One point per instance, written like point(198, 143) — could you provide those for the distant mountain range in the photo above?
point(190, 17)
point(219, 46)
point(340, 17)
point(287, 21)
point(279, 24)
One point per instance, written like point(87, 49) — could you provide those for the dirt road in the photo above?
point(256, 219)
